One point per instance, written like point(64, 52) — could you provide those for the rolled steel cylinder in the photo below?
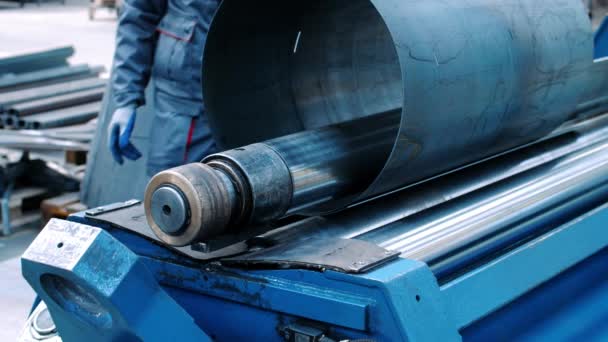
point(467, 79)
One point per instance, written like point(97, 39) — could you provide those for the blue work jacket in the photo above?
point(162, 39)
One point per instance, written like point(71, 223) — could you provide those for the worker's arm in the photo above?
point(135, 45)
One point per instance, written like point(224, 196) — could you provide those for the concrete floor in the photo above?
point(16, 296)
point(25, 30)
point(52, 25)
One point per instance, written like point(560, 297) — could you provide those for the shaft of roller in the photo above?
point(268, 180)
point(437, 233)
point(330, 166)
point(372, 215)
point(375, 214)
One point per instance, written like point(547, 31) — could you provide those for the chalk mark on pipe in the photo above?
point(295, 47)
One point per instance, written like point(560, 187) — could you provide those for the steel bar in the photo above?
point(48, 76)
point(57, 102)
point(38, 93)
point(438, 233)
point(61, 117)
point(36, 61)
point(79, 133)
point(28, 142)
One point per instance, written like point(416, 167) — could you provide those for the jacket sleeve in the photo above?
point(135, 45)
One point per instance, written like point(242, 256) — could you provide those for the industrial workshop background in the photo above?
point(366, 179)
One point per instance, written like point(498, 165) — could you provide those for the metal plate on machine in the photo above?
point(247, 250)
point(130, 216)
point(342, 255)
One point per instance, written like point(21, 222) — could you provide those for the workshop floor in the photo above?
point(30, 29)
point(16, 297)
point(51, 25)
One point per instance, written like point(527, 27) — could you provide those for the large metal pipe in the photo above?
point(36, 61)
point(38, 93)
point(57, 102)
point(491, 77)
point(495, 74)
point(49, 76)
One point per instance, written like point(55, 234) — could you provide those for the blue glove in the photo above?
point(119, 135)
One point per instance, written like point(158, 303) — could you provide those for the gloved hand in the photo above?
point(119, 135)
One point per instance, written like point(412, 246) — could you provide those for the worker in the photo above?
point(162, 40)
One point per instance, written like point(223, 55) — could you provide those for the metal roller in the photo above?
point(501, 212)
point(493, 76)
point(373, 216)
point(268, 180)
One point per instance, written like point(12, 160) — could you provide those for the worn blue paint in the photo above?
point(96, 289)
point(601, 40)
point(569, 308)
point(401, 301)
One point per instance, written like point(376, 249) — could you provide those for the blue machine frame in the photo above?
point(601, 40)
point(102, 283)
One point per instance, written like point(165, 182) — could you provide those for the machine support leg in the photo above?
point(93, 297)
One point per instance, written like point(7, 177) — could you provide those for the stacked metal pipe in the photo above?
point(41, 91)
point(330, 118)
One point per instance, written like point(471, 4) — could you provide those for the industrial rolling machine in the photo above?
point(393, 170)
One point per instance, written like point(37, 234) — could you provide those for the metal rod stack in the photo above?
point(36, 61)
point(42, 91)
point(371, 216)
point(48, 76)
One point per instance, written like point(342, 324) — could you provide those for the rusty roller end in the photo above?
point(189, 204)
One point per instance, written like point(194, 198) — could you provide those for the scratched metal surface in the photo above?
point(473, 77)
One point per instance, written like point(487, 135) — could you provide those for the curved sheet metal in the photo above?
point(473, 78)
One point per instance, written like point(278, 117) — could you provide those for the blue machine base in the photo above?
point(102, 283)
